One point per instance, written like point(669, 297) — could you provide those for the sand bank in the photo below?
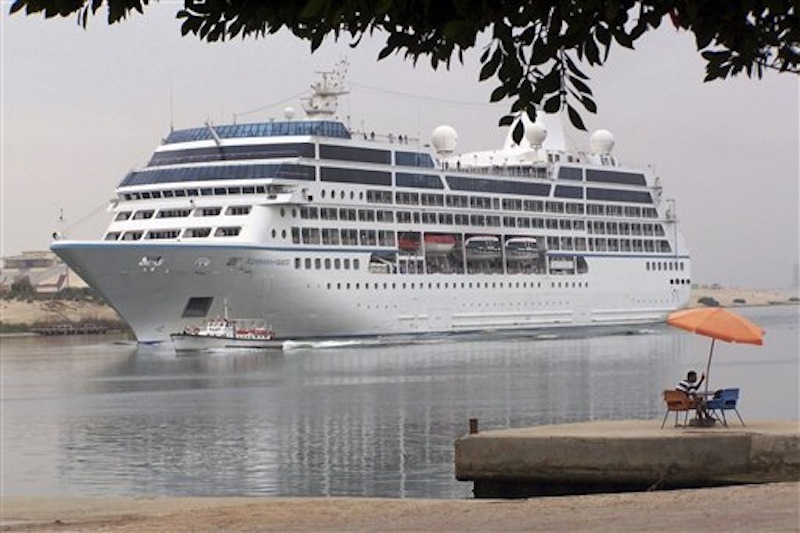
point(771, 507)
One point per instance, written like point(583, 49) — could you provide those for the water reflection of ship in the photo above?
point(521, 249)
point(482, 248)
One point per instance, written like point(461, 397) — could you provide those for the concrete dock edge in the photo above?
point(624, 455)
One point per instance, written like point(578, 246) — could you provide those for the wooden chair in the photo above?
point(677, 402)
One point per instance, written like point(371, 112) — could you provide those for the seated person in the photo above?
point(689, 385)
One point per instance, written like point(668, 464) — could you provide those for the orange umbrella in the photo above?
point(717, 323)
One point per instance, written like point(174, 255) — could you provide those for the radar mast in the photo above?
point(324, 99)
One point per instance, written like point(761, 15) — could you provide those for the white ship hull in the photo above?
point(326, 232)
point(618, 291)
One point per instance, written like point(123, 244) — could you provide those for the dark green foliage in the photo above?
point(535, 44)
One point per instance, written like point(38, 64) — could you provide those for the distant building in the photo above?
point(43, 269)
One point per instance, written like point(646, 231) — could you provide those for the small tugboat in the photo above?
point(224, 333)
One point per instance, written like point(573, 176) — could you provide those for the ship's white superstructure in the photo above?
point(325, 232)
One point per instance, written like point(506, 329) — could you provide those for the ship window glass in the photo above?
point(536, 206)
point(386, 238)
point(112, 236)
point(197, 307)
point(309, 213)
point(180, 193)
point(347, 214)
point(554, 207)
point(132, 235)
point(406, 198)
point(228, 153)
point(308, 263)
point(352, 175)
point(420, 181)
point(432, 199)
point(162, 234)
point(349, 237)
point(143, 214)
point(615, 176)
point(457, 201)
point(205, 192)
point(349, 153)
point(321, 128)
point(123, 215)
point(337, 264)
point(355, 264)
point(208, 211)
point(237, 210)
point(227, 232)
point(191, 192)
point(413, 159)
point(328, 213)
point(379, 197)
point(317, 263)
point(566, 191)
point(218, 172)
point(346, 264)
point(310, 235)
point(173, 213)
point(618, 196)
point(330, 236)
point(384, 216)
point(197, 232)
point(570, 173)
point(366, 215)
point(462, 183)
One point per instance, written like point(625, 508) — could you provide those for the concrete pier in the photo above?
point(625, 455)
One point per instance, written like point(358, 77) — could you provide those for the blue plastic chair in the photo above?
point(725, 400)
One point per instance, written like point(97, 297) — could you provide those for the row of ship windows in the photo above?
point(426, 199)
point(366, 237)
point(143, 214)
point(506, 204)
point(331, 213)
point(188, 233)
point(595, 227)
point(190, 193)
point(462, 285)
point(682, 281)
point(664, 265)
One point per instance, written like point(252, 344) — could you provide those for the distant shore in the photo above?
point(26, 314)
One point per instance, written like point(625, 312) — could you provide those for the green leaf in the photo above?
point(575, 118)
point(553, 104)
point(498, 94)
point(506, 120)
point(519, 131)
point(491, 66)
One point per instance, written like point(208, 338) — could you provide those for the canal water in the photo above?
point(93, 416)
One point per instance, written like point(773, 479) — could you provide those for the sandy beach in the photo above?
point(771, 507)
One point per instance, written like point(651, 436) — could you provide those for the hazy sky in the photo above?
point(80, 108)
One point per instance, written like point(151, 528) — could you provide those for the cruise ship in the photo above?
point(325, 232)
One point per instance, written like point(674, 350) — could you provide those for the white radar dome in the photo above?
point(288, 113)
point(535, 133)
point(444, 139)
point(601, 142)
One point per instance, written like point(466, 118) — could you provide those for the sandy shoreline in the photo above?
point(61, 311)
point(770, 507)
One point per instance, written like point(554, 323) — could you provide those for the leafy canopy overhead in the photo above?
point(535, 46)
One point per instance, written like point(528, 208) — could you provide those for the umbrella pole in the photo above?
point(708, 365)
